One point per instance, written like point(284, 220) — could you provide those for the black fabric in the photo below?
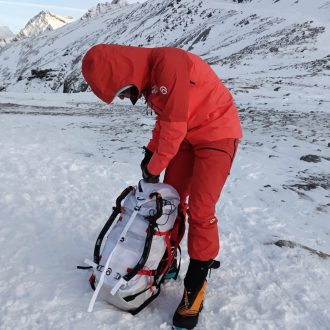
point(145, 161)
point(145, 254)
point(146, 303)
point(197, 273)
point(133, 296)
point(134, 94)
point(84, 267)
point(148, 177)
point(147, 157)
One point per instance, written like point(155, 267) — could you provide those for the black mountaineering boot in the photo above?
point(187, 313)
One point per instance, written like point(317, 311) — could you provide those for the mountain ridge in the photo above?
point(104, 7)
point(42, 22)
point(248, 44)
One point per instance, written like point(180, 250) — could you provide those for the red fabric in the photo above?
point(108, 68)
point(178, 229)
point(201, 171)
point(190, 101)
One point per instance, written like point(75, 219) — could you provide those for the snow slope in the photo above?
point(65, 158)
point(102, 8)
point(64, 161)
point(256, 47)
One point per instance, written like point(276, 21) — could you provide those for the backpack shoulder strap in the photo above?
point(150, 233)
point(116, 211)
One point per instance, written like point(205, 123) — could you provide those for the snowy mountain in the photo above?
point(256, 46)
point(6, 35)
point(42, 22)
point(5, 32)
point(102, 8)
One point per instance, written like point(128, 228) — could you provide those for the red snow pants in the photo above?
point(200, 172)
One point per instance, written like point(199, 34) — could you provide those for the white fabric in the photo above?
point(125, 243)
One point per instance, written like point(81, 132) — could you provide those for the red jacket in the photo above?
point(189, 99)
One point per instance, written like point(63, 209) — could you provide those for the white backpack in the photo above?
point(137, 252)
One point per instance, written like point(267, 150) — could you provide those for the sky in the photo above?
point(15, 14)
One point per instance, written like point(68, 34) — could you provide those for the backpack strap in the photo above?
point(178, 229)
point(121, 280)
point(116, 211)
point(150, 233)
point(168, 250)
point(157, 272)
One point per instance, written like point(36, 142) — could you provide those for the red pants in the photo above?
point(200, 172)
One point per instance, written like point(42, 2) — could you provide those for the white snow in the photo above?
point(44, 21)
point(64, 160)
point(102, 8)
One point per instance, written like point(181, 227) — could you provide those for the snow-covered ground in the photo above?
point(65, 158)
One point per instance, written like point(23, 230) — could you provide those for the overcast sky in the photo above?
point(15, 14)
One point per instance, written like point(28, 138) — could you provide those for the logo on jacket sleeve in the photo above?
point(154, 89)
point(163, 90)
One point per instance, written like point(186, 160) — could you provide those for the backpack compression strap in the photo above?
point(116, 211)
point(147, 246)
point(150, 233)
point(106, 268)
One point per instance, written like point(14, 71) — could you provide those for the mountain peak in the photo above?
point(5, 32)
point(43, 21)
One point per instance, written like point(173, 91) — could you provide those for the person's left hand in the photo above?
point(147, 176)
point(147, 157)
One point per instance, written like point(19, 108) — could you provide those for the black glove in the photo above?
point(147, 156)
point(148, 176)
point(145, 161)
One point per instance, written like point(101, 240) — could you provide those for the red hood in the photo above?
point(108, 68)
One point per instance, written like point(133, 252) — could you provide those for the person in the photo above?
point(195, 138)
